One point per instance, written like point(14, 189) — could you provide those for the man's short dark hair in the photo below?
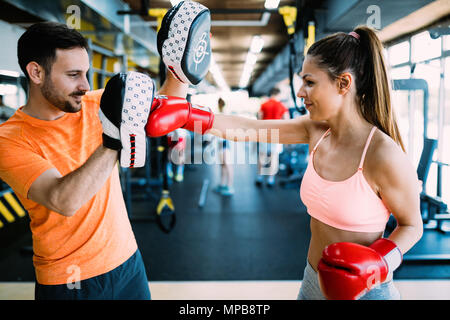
point(40, 41)
point(274, 91)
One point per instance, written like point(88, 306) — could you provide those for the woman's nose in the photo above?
point(301, 92)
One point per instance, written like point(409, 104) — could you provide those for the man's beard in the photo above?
point(50, 93)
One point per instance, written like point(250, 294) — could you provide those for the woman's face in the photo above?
point(320, 94)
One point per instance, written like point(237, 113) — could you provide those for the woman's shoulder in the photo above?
point(385, 158)
point(383, 147)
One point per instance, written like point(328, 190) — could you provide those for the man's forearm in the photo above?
point(79, 186)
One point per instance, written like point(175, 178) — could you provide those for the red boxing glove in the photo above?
point(348, 270)
point(170, 113)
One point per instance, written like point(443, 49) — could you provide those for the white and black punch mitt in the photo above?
point(124, 109)
point(184, 41)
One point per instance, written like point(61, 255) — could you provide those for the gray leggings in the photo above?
point(310, 289)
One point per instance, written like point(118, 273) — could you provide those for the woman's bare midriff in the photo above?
point(323, 235)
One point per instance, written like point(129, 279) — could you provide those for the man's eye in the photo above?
point(73, 74)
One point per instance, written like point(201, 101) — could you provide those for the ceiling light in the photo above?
point(252, 56)
point(217, 75)
point(246, 74)
point(248, 68)
point(257, 44)
point(271, 4)
point(251, 59)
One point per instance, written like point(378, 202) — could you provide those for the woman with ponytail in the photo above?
point(346, 91)
point(358, 173)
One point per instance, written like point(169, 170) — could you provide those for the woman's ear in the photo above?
point(35, 72)
point(344, 82)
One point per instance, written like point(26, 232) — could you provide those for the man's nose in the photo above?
point(84, 85)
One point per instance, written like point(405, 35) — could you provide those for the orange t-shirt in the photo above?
point(99, 237)
point(272, 109)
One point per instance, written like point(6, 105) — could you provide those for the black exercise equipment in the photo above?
point(144, 184)
point(139, 184)
point(433, 209)
point(292, 165)
point(290, 19)
point(165, 209)
point(413, 85)
point(165, 213)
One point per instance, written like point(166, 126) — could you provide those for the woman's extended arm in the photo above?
point(239, 128)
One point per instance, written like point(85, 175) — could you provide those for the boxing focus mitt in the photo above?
point(184, 41)
point(124, 109)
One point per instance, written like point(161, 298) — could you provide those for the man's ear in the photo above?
point(36, 72)
point(344, 82)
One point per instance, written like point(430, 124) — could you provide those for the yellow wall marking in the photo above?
point(5, 212)
point(14, 204)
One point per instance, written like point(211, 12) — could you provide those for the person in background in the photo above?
point(177, 147)
point(225, 187)
point(268, 153)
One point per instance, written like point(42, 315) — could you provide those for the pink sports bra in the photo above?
point(350, 204)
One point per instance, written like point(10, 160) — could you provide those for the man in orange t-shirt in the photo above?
point(268, 153)
point(52, 156)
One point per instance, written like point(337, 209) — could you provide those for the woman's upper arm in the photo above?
point(398, 185)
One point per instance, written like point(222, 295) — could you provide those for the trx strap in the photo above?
point(289, 17)
point(165, 208)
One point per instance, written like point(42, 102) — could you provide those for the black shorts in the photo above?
point(126, 282)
